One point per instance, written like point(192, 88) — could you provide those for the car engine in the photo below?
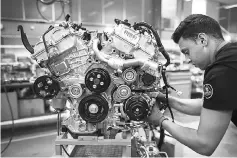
point(106, 77)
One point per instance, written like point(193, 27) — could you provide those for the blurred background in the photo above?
point(18, 70)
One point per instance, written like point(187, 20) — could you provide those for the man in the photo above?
point(199, 38)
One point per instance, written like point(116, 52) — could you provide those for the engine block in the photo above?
point(106, 77)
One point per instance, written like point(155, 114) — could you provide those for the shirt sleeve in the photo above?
point(220, 88)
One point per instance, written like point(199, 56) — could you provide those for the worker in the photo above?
point(200, 39)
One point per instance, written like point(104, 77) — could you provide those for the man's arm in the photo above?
point(212, 127)
point(186, 106)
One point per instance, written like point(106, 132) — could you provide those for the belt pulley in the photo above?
point(136, 107)
point(148, 79)
point(46, 87)
point(93, 108)
point(97, 80)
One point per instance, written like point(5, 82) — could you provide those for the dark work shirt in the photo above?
point(220, 81)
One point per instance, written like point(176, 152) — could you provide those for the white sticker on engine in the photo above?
point(130, 36)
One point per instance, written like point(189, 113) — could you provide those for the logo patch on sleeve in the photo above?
point(208, 91)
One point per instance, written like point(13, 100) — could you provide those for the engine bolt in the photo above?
point(40, 85)
point(129, 75)
point(42, 93)
point(91, 79)
point(123, 92)
point(94, 86)
point(98, 76)
point(49, 82)
point(93, 108)
point(101, 83)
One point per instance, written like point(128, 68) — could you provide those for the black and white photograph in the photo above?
point(118, 78)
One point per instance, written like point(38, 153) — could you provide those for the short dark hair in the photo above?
point(197, 23)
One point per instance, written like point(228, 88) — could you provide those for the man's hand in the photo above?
point(156, 116)
point(158, 95)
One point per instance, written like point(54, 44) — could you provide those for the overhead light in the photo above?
point(229, 6)
point(1, 25)
point(199, 7)
point(227, 38)
point(108, 29)
point(108, 4)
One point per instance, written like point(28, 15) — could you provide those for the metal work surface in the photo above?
point(97, 151)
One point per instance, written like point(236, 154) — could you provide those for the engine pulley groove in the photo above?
point(93, 108)
point(97, 80)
